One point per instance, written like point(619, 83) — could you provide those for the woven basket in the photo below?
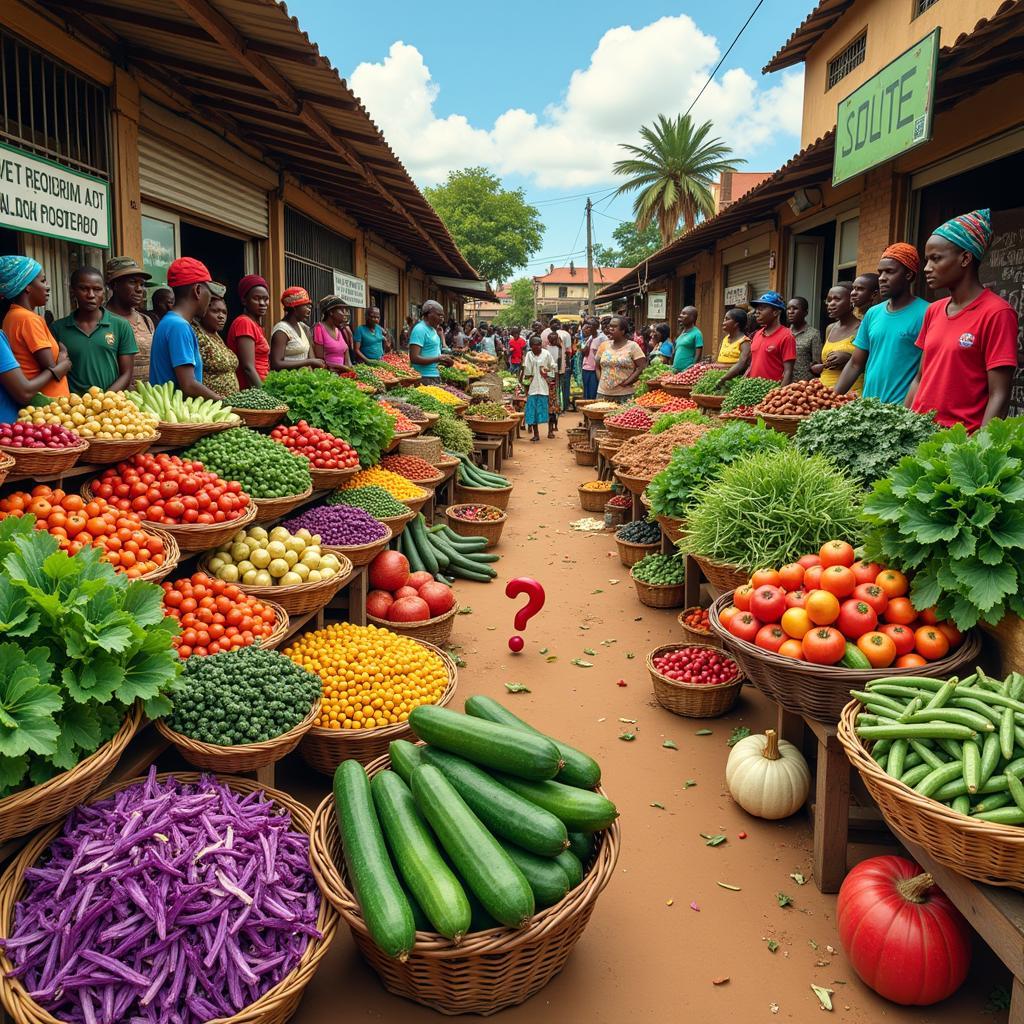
point(6, 465)
point(427, 483)
point(430, 418)
point(980, 850)
point(625, 432)
point(674, 529)
point(256, 418)
point(692, 700)
point(282, 624)
point(397, 523)
point(363, 554)
point(677, 390)
point(269, 510)
point(490, 531)
point(436, 631)
point(415, 504)
point(720, 575)
point(575, 434)
point(593, 501)
point(39, 462)
point(102, 452)
point(633, 484)
point(489, 970)
point(30, 809)
point(659, 595)
point(695, 636)
point(181, 435)
point(783, 424)
point(324, 749)
point(297, 598)
point(429, 449)
point(630, 553)
point(496, 496)
point(713, 402)
point(274, 1007)
point(330, 479)
point(245, 757)
point(490, 427)
point(584, 455)
point(821, 691)
point(172, 555)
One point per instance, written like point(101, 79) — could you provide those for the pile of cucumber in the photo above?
point(443, 553)
point(487, 823)
point(960, 742)
point(469, 474)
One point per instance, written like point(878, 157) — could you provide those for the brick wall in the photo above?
point(878, 205)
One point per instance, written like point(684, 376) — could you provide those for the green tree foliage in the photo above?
point(520, 313)
point(631, 246)
point(496, 229)
point(673, 172)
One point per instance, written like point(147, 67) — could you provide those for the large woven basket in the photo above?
point(330, 479)
point(624, 432)
point(490, 427)
point(39, 462)
point(576, 434)
point(270, 509)
point(821, 691)
point(324, 749)
point(709, 402)
point(436, 631)
point(256, 418)
point(490, 531)
point(980, 850)
point(633, 484)
point(172, 555)
point(181, 435)
point(783, 424)
point(593, 501)
point(584, 454)
point(103, 452)
point(297, 598)
point(674, 529)
point(596, 414)
point(676, 390)
point(245, 757)
point(496, 496)
point(415, 504)
point(429, 449)
point(363, 554)
point(630, 553)
point(29, 809)
point(720, 575)
point(6, 465)
point(489, 970)
point(397, 523)
point(274, 1007)
point(659, 595)
point(689, 699)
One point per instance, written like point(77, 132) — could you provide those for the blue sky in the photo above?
point(542, 92)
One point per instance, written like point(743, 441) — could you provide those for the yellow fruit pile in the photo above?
point(371, 677)
point(598, 485)
point(439, 393)
point(397, 486)
point(105, 415)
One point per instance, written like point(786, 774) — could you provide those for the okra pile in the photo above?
point(960, 741)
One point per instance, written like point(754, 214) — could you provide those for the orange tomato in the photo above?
point(931, 643)
point(836, 552)
point(796, 622)
point(839, 580)
point(951, 633)
point(899, 610)
point(56, 518)
point(866, 572)
point(73, 503)
point(741, 597)
point(878, 648)
point(894, 583)
point(812, 577)
point(910, 661)
point(791, 576)
point(765, 578)
point(792, 649)
point(40, 508)
point(822, 607)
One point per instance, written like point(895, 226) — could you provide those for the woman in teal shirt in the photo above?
point(368, 338)
point(689, 347)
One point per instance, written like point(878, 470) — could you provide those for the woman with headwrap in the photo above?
point(969, 340)
point(290, 340)
point(23, 288)
point(245, 336)
point(329, 341)
point(885, 349)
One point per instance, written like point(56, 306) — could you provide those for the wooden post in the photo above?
point(831, 810)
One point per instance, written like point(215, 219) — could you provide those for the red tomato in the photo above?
point(873, 595)
point(765, 578)
point(877, 648)
point(892, 582)
point(439, 598)
point(836, 552)
point(808, 561)
point(901, 636)
point(378, 602)
point(839, 580)
point(796, 599)
point(929, 617)
point(770, 638)
point(910, 661)
point(931, 643)
point(951, 633)
point(744, 626)
point(812, 578)
point(866, 572)
point(406, 592)
point(824, 646)
point(409, 609)
point(768, 603)
point(791, 576)
point(389, 571)
point(741, 597)
point(900, 610)
point(417, 579)
point(856, 618)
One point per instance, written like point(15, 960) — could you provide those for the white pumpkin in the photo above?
point(767, 777)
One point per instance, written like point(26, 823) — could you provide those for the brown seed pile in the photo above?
point(649, 454)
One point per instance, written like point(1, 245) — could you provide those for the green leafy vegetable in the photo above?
point(646, 380)
point(783, 900)
point(712, 840)
point(748, 391)
point(453, 434)
point(741, 732)
point(666, 420)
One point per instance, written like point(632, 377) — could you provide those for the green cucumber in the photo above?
point(406, 757)
point(508, 815)
point(990, 756)
point(961, 804)
point(419, 863)
point(385, 909)
point(570, 863)
point(487, 743)
point(423, 547)
point(480, 861)
point(916, 731)
point(959, 716)
point(545, 874)
point(582, 845)
point(915, 774)
point(854, 657)
point(580, 809)
point(481, 920)
point(580, 769)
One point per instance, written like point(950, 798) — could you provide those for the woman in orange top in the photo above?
point(23, 288)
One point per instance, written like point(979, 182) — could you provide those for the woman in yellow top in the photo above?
point(732, 348)
point(838, 346)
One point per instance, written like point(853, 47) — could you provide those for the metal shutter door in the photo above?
point(753, 271)
point(381, 276)
point(182, 181)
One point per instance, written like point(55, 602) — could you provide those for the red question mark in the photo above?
point(524, 585)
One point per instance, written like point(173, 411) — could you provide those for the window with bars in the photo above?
point(312, 253)
point(842, 64)
point(920, 6)
point(51, 111)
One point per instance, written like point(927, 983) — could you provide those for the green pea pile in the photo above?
point(662, 570)
point(455, 436)
point(246, 695)
point(252, 398)
point(374, 500)
point(264, 468)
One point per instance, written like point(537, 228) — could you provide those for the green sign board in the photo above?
point(889, 114)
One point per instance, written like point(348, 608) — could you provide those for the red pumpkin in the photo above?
point(903, 936)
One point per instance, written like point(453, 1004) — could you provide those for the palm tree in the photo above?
point(673, 171)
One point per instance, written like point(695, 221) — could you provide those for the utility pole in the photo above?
point(590, 262)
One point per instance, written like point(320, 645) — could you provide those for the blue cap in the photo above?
point(770, 299)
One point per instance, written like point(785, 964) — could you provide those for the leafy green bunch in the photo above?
point(452, 376)
point(416, 396)
point(365, 375)
point(771, 508)
point(327, 401)
point(952, 514)
point(748, 391)
point(866, 438)
point(670, 419)
point(646, 381)
point(455, 436)
point(708, 383)
point(690, 470)
point(87, 642)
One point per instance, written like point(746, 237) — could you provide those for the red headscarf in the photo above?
point(295, 296)
point(249, 282)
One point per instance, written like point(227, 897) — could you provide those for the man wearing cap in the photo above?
point(175, 354)
point(969, 340)
point(885, 347)
point(772, 348)
point(127, 283)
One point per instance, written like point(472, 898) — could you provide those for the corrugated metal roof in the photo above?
point(249, 67)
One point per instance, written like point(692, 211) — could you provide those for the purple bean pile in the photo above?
point(341, 525)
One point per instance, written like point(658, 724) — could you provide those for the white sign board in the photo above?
point(44, 198)
point(351, 289)
point(657, 304)
point(737, 294)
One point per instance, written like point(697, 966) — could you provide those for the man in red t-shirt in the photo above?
point(516, 348)
point(968, 341)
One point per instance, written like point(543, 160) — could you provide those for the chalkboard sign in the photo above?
point(1002, 270)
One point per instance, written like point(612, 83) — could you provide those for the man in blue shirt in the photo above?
point(425, 343)
point(368, 338)
point(885, 348)
point(175, 355)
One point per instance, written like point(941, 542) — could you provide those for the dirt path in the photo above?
point(663, 931)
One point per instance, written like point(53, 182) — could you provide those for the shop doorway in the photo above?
point(388, 306)
point(813, 267)
point(225, 258)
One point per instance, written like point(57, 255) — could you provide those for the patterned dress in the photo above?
point(220, 364)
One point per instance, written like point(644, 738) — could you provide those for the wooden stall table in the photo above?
point(489, 452)
point(351, 599)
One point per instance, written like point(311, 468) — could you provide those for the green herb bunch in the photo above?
point(748, 391)
point(365, 375)
point(455, 436)
point(488, 411)
point(771, 508)
point(666, 420)
point(452, 376)
point(866, 438)
point(708, 383)
point(649, 375)
point(952, 514)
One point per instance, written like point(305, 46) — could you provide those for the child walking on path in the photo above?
point(540, 370)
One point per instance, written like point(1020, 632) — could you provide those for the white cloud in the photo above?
point(633, 75)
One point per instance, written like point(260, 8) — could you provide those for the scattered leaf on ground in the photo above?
point(550, 658)
point(627, 736)
point(824, 996)
point(785, 901)
point(630, 655)
point(670, 744)
point(517, 688)
point(812, 944)
point(465, 610)
point(726, 885)
point(590, 651)
point(798, 878)
point(580, 663)
point(608, 643)
point(544, 650)
point(772, 945)
point(712, 840)
point(739, 733)
point(703, 732)
point(598, 591)
point(654, 803)
point(613, 582)
point(689, 782)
